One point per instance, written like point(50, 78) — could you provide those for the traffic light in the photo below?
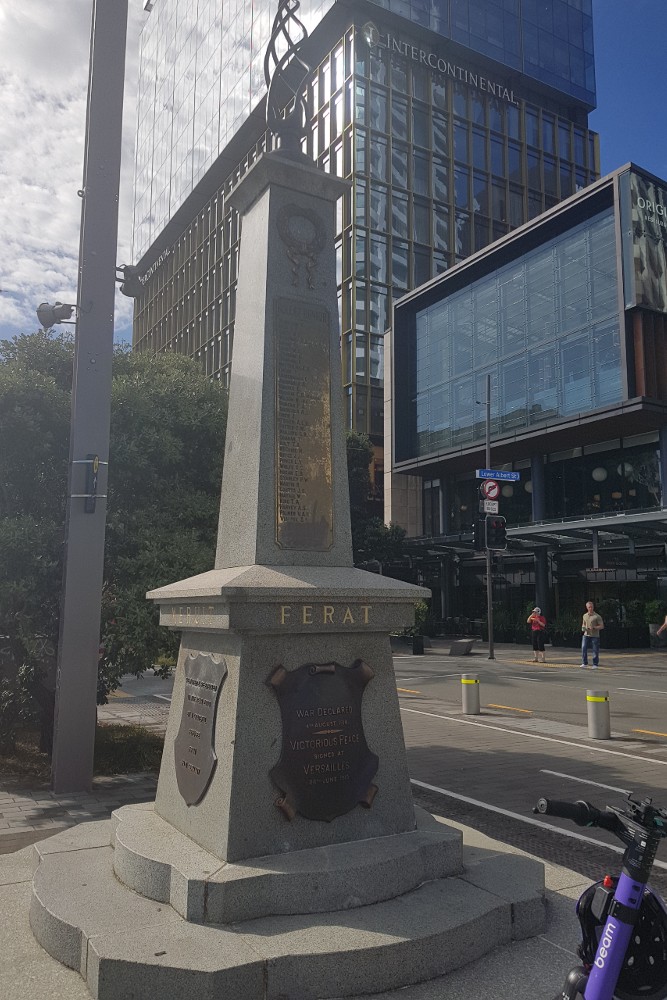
point(479, 534)
point(496, 535)
point(130, 281)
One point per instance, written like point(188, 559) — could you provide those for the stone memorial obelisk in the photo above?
point(285, 723)
point(283, 839)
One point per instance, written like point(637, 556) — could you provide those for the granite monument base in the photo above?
point(128, 946)
point(284, 732)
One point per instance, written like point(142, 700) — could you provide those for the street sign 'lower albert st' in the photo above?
point(497, 474)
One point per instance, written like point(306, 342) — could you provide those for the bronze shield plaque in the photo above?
point(195, 757)
point(325, 768)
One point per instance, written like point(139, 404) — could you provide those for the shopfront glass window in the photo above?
point(603, 479)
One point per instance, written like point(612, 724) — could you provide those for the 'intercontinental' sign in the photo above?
point(438, 64)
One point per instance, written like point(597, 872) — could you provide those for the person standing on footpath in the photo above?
point(591, 626)
point(538, 624)
point(663, 627)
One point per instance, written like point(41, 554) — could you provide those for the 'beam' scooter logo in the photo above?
point(605, 944)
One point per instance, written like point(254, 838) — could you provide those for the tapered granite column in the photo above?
point(295, 739)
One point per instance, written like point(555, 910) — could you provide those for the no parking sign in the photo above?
point(490, 489)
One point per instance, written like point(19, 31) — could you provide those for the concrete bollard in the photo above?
point(470, 694)
point(599, 717)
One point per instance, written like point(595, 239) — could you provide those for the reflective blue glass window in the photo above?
point(399, 118)
point(192, 54)
point(546, 326)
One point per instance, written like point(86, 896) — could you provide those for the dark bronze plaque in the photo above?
point(304, 487)
point(193, 747)
point(325, 768)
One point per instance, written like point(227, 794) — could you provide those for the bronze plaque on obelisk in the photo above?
point(304, 488)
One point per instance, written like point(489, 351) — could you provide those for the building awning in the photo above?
point(641, 528)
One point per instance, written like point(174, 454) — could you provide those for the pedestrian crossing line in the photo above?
point(511, 708)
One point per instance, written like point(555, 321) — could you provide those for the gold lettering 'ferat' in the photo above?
point(324, 614)
point(304, 478)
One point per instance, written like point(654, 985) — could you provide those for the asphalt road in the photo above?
point(531, 739)
point(555, 690)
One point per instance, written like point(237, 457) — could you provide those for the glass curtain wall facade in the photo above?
point(545, 328)
point(201, 74)
point(547, 316)
point(439, 168)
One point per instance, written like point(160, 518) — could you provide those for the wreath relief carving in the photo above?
point(304, 235)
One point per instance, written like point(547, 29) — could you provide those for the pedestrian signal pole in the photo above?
point(489, 557)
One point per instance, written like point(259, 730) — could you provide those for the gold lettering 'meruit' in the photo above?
point(325, 614)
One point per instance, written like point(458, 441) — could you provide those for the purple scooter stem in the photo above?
point(613, 943)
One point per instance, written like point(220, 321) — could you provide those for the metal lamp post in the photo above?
point(78, 647)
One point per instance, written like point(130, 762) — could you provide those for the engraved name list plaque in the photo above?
point(194, 753)
point(304, 488)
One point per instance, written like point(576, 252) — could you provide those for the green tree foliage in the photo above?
point(372, 539)
point(35, 388)
point(167, 442)
point(359, 458)
point(167, 438)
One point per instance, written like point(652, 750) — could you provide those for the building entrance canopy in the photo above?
point(640, 528)
point(637, 528)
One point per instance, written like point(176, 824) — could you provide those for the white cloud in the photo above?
point(43, 85)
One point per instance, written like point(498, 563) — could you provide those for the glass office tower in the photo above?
point(456, 121)
point(567, 317)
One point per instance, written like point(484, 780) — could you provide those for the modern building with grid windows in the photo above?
point(568, 317)
point(457, 121)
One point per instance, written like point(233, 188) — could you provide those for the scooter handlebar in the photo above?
point(582, 813)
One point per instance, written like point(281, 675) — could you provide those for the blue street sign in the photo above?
point(496, 474)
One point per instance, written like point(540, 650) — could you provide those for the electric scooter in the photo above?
point(623, 922)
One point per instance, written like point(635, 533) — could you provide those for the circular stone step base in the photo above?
point(126, 946)
point(156, 860)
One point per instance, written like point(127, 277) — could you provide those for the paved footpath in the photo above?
point(29, 815)
point(492, 765)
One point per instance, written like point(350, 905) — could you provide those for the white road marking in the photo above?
point(163, 697)
point(424, 677)
point(533, 736)
point(525, 819)
point(642, 691)
point(586, 781)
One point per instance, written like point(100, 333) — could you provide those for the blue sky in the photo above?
point(631, 117)
point(43, 78)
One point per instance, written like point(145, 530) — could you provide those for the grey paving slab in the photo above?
point(526, 970)
point(18, 867)
point(83, 837)
point(26, 971)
